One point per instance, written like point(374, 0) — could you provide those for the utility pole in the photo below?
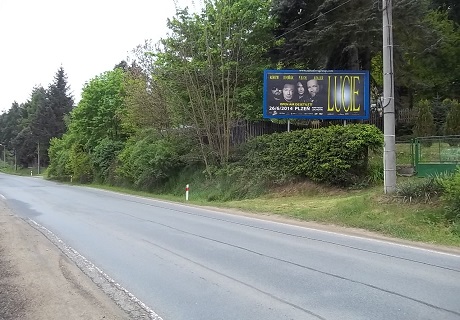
point(38, 158)
point(4, 153)
point(389, 144)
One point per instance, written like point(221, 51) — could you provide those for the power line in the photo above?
point(311, 20)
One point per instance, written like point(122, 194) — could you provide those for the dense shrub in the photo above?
point(59, 154)
point(80, 164)
point(335, 155)
point(104, 157)
point(149, 160)
point(451, 196)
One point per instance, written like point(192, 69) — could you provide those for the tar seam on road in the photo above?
point(135, 308)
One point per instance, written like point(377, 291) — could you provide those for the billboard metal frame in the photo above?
point(349, 99)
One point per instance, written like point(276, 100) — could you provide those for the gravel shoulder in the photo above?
point(38, 282)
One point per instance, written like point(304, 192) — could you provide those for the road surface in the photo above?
point(184, 262)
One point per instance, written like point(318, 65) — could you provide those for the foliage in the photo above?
point(149, 159)
point(452, 126)
point(210, 66)
point(429, 58)
point(59, 152)
point(60, 102)
point(334, 155)
point(104, 157)
point(424, 125)
point(26, 126)
point(98, 114)
point(80, 164)
point(145, 100)
point(451, 196)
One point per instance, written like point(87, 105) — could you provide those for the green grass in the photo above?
point(367, 210)
point(403, 154)
point(21, 171)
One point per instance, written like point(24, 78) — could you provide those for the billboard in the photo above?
point(317, 94)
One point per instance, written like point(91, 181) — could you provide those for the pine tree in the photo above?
point(60, 101)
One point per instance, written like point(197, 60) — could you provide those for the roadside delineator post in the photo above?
point(31, 174)
point(186, 192)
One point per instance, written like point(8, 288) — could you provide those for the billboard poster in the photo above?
point(317, 94)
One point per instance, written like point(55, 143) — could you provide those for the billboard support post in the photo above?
point(389, 146)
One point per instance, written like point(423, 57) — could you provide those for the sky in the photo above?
point(85, 37)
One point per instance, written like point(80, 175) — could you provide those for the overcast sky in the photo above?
point(86, 37)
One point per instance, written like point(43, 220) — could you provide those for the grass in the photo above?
point(367, 210)
point(22, 171)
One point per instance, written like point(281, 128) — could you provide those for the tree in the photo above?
point(95, 134)
point(60, 102)
point(210, 69)
point(42, 127)
point(145, 99)
point(333, 34)
point(98, 114)
point(452, 126)
point(424, 125)
point(429, 58)
point(451, 7)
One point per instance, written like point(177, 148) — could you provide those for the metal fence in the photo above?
point(435, 154)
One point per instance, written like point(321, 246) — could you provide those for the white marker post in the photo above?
point(186, 192)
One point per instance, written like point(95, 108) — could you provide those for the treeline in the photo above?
point(27, 128)
point(173, 104)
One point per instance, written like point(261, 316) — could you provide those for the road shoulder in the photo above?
point(37, 281)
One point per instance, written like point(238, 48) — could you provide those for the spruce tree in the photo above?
point(60, 101)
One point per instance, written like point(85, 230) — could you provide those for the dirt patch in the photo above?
point(38, 282)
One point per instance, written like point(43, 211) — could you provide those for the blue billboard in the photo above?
point(316, 94)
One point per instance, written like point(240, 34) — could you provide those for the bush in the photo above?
point(149, 160)
point(451, 196)
point(80, 164)
point(104, 157)
point(334, 155)
point(59, 154)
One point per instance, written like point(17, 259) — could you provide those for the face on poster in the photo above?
point(316, 94)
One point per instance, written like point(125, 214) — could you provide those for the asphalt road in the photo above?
point(189, 263)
